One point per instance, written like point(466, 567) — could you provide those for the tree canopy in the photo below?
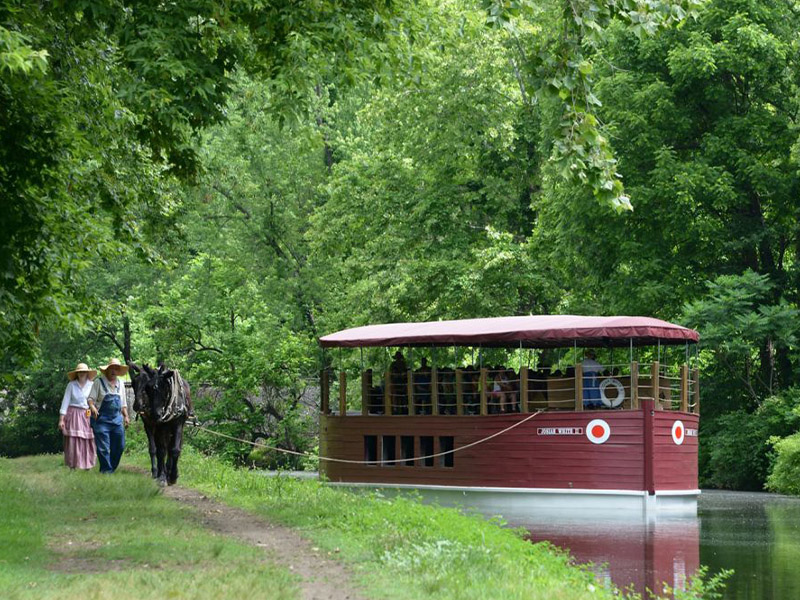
point(218, 185)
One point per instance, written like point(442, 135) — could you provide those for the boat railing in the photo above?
point(485, 391)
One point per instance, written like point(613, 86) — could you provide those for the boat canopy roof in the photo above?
point(533, 331)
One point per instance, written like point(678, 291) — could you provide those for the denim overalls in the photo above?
point(591, 391)
point(109, 432)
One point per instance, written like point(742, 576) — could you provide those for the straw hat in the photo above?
point(119, 368)
point(81, 368)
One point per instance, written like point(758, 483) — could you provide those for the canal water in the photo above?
point(757, 535)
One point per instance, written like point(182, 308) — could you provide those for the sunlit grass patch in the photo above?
point(67, 534)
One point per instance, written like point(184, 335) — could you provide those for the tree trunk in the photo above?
point(126, 338)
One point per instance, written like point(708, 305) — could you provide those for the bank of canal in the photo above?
point(756, 534)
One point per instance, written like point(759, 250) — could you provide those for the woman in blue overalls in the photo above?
point(109, 415)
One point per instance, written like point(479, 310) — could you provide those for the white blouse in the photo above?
point(75, 395)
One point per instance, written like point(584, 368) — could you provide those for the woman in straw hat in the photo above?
point(110, 412)
point(73, 420)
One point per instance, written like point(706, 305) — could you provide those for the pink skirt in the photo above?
point(79, 450)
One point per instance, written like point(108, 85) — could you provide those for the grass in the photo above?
point(66, 534)
point(401, 549)
point(72, 534)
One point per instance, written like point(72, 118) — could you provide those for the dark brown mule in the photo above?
point(163, 401)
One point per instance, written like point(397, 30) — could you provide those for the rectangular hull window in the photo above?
point(426, 449)
point(371, 449)
point(446, 444)
point(407, 450)
point(388, 451)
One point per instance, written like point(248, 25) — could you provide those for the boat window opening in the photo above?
point(371, 449)
point(426, 450)
point(407, 450)
point(446, 444)
point(388, 452)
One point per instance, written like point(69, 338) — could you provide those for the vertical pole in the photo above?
point(459, 392)
point(648, 414)
point(655, 380)
point(387, 393)
point(434, 391)
point(523, 389)
point(635, 385)
point(410, 381)
point(324, 390)
point(696, 391)
point(410, 390)
point(684, 387)
point(484, 381)
point(366, 387)
point(578, 386)
point(342, 393)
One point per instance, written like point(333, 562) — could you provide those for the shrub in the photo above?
point(785, 475)
point(736, 449)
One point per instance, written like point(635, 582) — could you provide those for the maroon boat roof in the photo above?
point(534, 331)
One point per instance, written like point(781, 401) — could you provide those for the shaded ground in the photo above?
point(322, 578)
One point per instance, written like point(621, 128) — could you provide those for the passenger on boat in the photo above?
point(511, 389)
point(591, 389)
point(471, 379)
point(495, 397)
point(447, 391)
point(423, 378)
point(399, 376)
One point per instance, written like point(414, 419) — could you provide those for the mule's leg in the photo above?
point(161, 452)
point(151, 445)
point(175, 452)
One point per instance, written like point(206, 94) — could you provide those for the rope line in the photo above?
point(371, 462)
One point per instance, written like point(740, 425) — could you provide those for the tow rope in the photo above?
point(368, 462)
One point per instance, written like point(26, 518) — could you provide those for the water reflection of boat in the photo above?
point(643, 553)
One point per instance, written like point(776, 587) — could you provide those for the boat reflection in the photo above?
point(640, 553)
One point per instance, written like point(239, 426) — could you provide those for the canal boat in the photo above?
point(517, 414)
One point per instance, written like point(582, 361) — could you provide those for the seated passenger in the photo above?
point(399, 378)
point(447, 391)
point(510, 385)
point(423, 378)
point(495, 396)
point(471, 389)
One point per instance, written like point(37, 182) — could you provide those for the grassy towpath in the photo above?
point(399, 548)
point(225, 532)
point(70, 534)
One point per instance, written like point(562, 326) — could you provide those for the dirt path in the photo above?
point(322, 578)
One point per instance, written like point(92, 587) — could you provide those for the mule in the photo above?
point(141, 376)
point(164, 403)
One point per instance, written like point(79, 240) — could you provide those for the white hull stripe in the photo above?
point(516, 490)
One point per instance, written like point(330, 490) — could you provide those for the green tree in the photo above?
point(100, 105)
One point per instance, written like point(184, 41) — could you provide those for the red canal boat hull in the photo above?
point(551, 453)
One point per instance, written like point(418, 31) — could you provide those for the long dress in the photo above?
point(79, 448)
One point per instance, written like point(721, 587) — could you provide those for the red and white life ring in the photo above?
point(613, 401)
point(598, 431)
point(678, 432)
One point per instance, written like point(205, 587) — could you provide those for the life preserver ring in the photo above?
point(614, 401)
